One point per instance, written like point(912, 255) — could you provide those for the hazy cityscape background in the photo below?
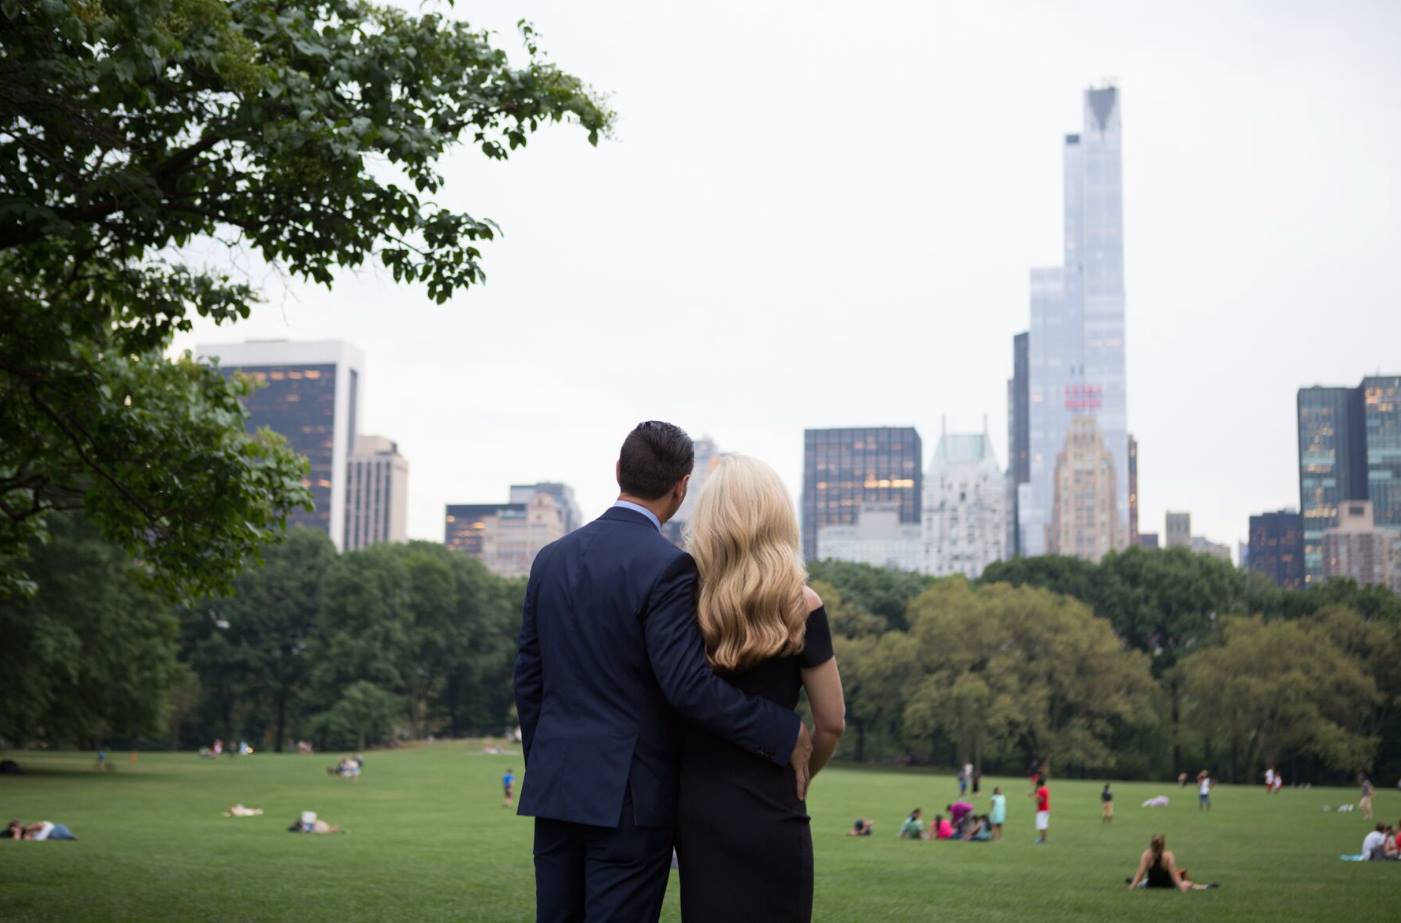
point(853, 248)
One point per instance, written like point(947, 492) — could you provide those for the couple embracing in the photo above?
point(656, 691)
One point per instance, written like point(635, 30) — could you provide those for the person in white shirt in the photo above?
point(1269, 780)
point(1374, 844)
point(1204, 791)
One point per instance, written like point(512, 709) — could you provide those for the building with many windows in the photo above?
point(309, 392)
point(1133, 491)
point(965, 518)
point(564, 499)
point(1075, 355)
point(1349, 449)
point(1084, 518)
point(377, 494)
point(708, 455)
point(1148, 540)
point(845, 468)
point(505, 537)
point(879, 537)
point(1357, 549)
point(1277, 547)
point(1202, 545)
point(1177, 530)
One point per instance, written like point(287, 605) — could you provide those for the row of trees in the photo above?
point(343, 649)
point(1147, 663)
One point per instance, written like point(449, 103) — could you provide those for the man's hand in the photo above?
point(800, 760)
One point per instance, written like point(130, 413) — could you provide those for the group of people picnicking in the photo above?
point(348, 767)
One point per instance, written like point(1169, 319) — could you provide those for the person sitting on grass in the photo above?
point(979, 830)
point(940, 828)
point(1157, 868)
point(1374, 844)
point(43, 830)
point(913, 827)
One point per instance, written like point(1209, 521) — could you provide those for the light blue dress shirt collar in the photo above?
point(629, 505)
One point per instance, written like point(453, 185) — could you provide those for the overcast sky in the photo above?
point(820, 214)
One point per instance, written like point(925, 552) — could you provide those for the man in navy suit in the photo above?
point(610, 663)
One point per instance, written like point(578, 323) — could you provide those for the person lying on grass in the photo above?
point(43, 830)
point(1157, 868)
point(310, 823)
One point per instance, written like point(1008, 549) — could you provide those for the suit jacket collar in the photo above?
point(623, 514)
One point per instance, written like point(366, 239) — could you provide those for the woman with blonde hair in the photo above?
point(742, 835)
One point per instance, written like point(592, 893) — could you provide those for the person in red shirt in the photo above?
point(1043, 810)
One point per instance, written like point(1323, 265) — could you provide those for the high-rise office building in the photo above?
point(1277, 547)
point(505, 537)
point(1148, 540)
point(465, 524)
point(1332, 463)
point(1201, 545)
point(377, 494)
point(1349, 449)
point(1084, 516)
point(1133, 491)
point(708, 455)
point(1075, 351)
point(309, 392)
point(844, 468)
point(1018, 439)
point(965, 519)
point(879, 537)
point(1177, 530)
point(1357, 549)
point(564, 499)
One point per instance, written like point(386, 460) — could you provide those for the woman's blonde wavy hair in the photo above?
point(744, 537)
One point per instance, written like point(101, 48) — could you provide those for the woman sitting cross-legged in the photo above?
point(1157, 868)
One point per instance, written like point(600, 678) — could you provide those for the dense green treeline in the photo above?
point(344, 650)
point(1149, 663)
point(1146, 664)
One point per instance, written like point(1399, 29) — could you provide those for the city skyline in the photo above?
point(1241, 235)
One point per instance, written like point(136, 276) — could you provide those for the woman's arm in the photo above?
point(1142, 870)
point(1170, 863)
point(824, 687)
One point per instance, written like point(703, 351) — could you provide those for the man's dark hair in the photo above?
point(655, 455)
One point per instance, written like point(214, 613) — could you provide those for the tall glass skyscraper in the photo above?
point(309, 392)
point(1075, 352)
point(1332, 464)
point(845, 468)
point(1018, 439)
point(1349, 449)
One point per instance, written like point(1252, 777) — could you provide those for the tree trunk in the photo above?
point(1175, 696)
point(281, 727)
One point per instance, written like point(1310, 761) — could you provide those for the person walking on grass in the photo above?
point(1365, 804)
point(1043, 810)
point(508, 784)
point(1106, 800)
point(1203, 791)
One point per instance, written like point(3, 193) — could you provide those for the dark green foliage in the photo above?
point(134, 131)
point(91, 654)
point(878, 590)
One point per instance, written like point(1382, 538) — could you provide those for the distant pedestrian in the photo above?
point(102, 760)
point(508, 784)
point(1043, 811)
point(1106, 800)
point(963, 780)
point(977, 780)
point(1270, 780)
point(1365, 804)
point(1203, 791)
point(998, 815)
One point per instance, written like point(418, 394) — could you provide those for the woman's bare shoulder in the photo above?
point(810, 597)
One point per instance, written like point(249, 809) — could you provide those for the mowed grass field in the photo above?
point(428, 840)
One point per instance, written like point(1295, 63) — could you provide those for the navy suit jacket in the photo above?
point(610, 663)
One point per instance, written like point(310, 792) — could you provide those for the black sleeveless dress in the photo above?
point(742, 835)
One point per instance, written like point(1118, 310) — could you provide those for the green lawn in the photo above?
point(429, 840)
